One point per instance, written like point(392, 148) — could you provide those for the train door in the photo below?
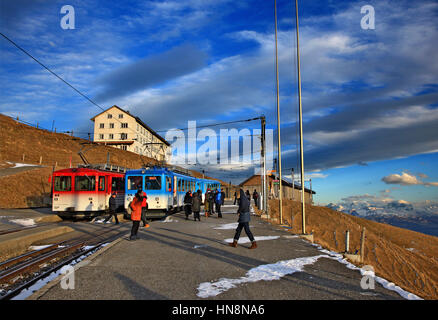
point(101, 193)
point(175, 194)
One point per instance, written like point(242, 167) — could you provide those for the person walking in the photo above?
point(255, 196)
point(112, 207)
point(196, 205)
point(235, 197)
point(136, 207)
point(188, 204)
point(211, 202)
point(144, 205)
point(218, 203)
point(244, 218)
point(206, 202)
point(248, 196)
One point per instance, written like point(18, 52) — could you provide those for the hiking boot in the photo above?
point(253, 245)
point(234, 244)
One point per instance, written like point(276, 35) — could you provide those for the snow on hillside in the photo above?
point(419, 216)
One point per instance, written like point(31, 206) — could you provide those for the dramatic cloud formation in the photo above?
point(406, 179)
point(151, 71)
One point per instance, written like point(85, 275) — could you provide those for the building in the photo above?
point(289, 191)
point(120, 129)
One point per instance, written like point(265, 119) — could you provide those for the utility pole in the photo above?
point(303, 204)
point(264, 204)
point(278, 119)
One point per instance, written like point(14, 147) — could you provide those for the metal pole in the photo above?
point(278, 119)
point(264, 188)
point(347, 241)
point(303, 204)
point(293, 184)
point(311, 194)
point(362, 245)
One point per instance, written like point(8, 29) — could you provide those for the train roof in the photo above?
point(85, 170)
point(156, 170)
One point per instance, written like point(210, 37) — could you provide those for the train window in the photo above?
point(85, 183)
point(152, 182)
point(63, 183)
point(101, 183)
point(117, 184)
point(179, 184)
point(135, 182)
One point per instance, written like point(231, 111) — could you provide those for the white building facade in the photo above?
point(120, 129)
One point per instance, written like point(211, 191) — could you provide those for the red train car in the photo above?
point(86, 191)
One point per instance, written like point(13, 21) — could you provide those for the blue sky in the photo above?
point(370, 97)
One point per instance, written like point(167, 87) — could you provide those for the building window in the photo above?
point(100, 136)
point(111, 136)
point(110, 116)
point(111, 125)
point(102, 125)
point(121, 116)
point(124, 147)
point(123, 136)
point(124, 125)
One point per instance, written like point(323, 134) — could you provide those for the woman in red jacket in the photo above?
point(136, 206)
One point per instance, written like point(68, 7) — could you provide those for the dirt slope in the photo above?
point(407, 258)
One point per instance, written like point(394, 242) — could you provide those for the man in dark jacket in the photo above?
point(218, 203)
point(188, 204)
point(244, 218)
point(255, 196)
point(196, 205)
point(112, 209)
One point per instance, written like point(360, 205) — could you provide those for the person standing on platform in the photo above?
point(206, 202)
point(112, 207)
point(143, 207)
point(255, 196)
point(235, 197)
point(196, 205)
point(211, 202)
point(218, 202)
point(188, 204)
point(136, 206)
point(248, 196)
point(244, 218)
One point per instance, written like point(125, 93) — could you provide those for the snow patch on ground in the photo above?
point(246, 239)
point(228, 226)
point(42, 282)
point(18, 165)
point(385, 283)
point(32, 248)
point(267, 272)
point(200, 246)
point(23, 222)
point(169, 219)
point(275, 271)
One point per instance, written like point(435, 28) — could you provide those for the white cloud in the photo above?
point(406, 179)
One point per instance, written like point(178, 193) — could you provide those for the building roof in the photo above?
point(256, 180)
point(138, 120)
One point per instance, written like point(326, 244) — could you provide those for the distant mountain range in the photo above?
point(420, 217)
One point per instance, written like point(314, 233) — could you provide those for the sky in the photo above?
point(369, 96)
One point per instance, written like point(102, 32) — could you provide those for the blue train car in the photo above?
point(165, 189)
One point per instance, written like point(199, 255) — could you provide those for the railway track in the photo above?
point(21, 272)
point(13, 230)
